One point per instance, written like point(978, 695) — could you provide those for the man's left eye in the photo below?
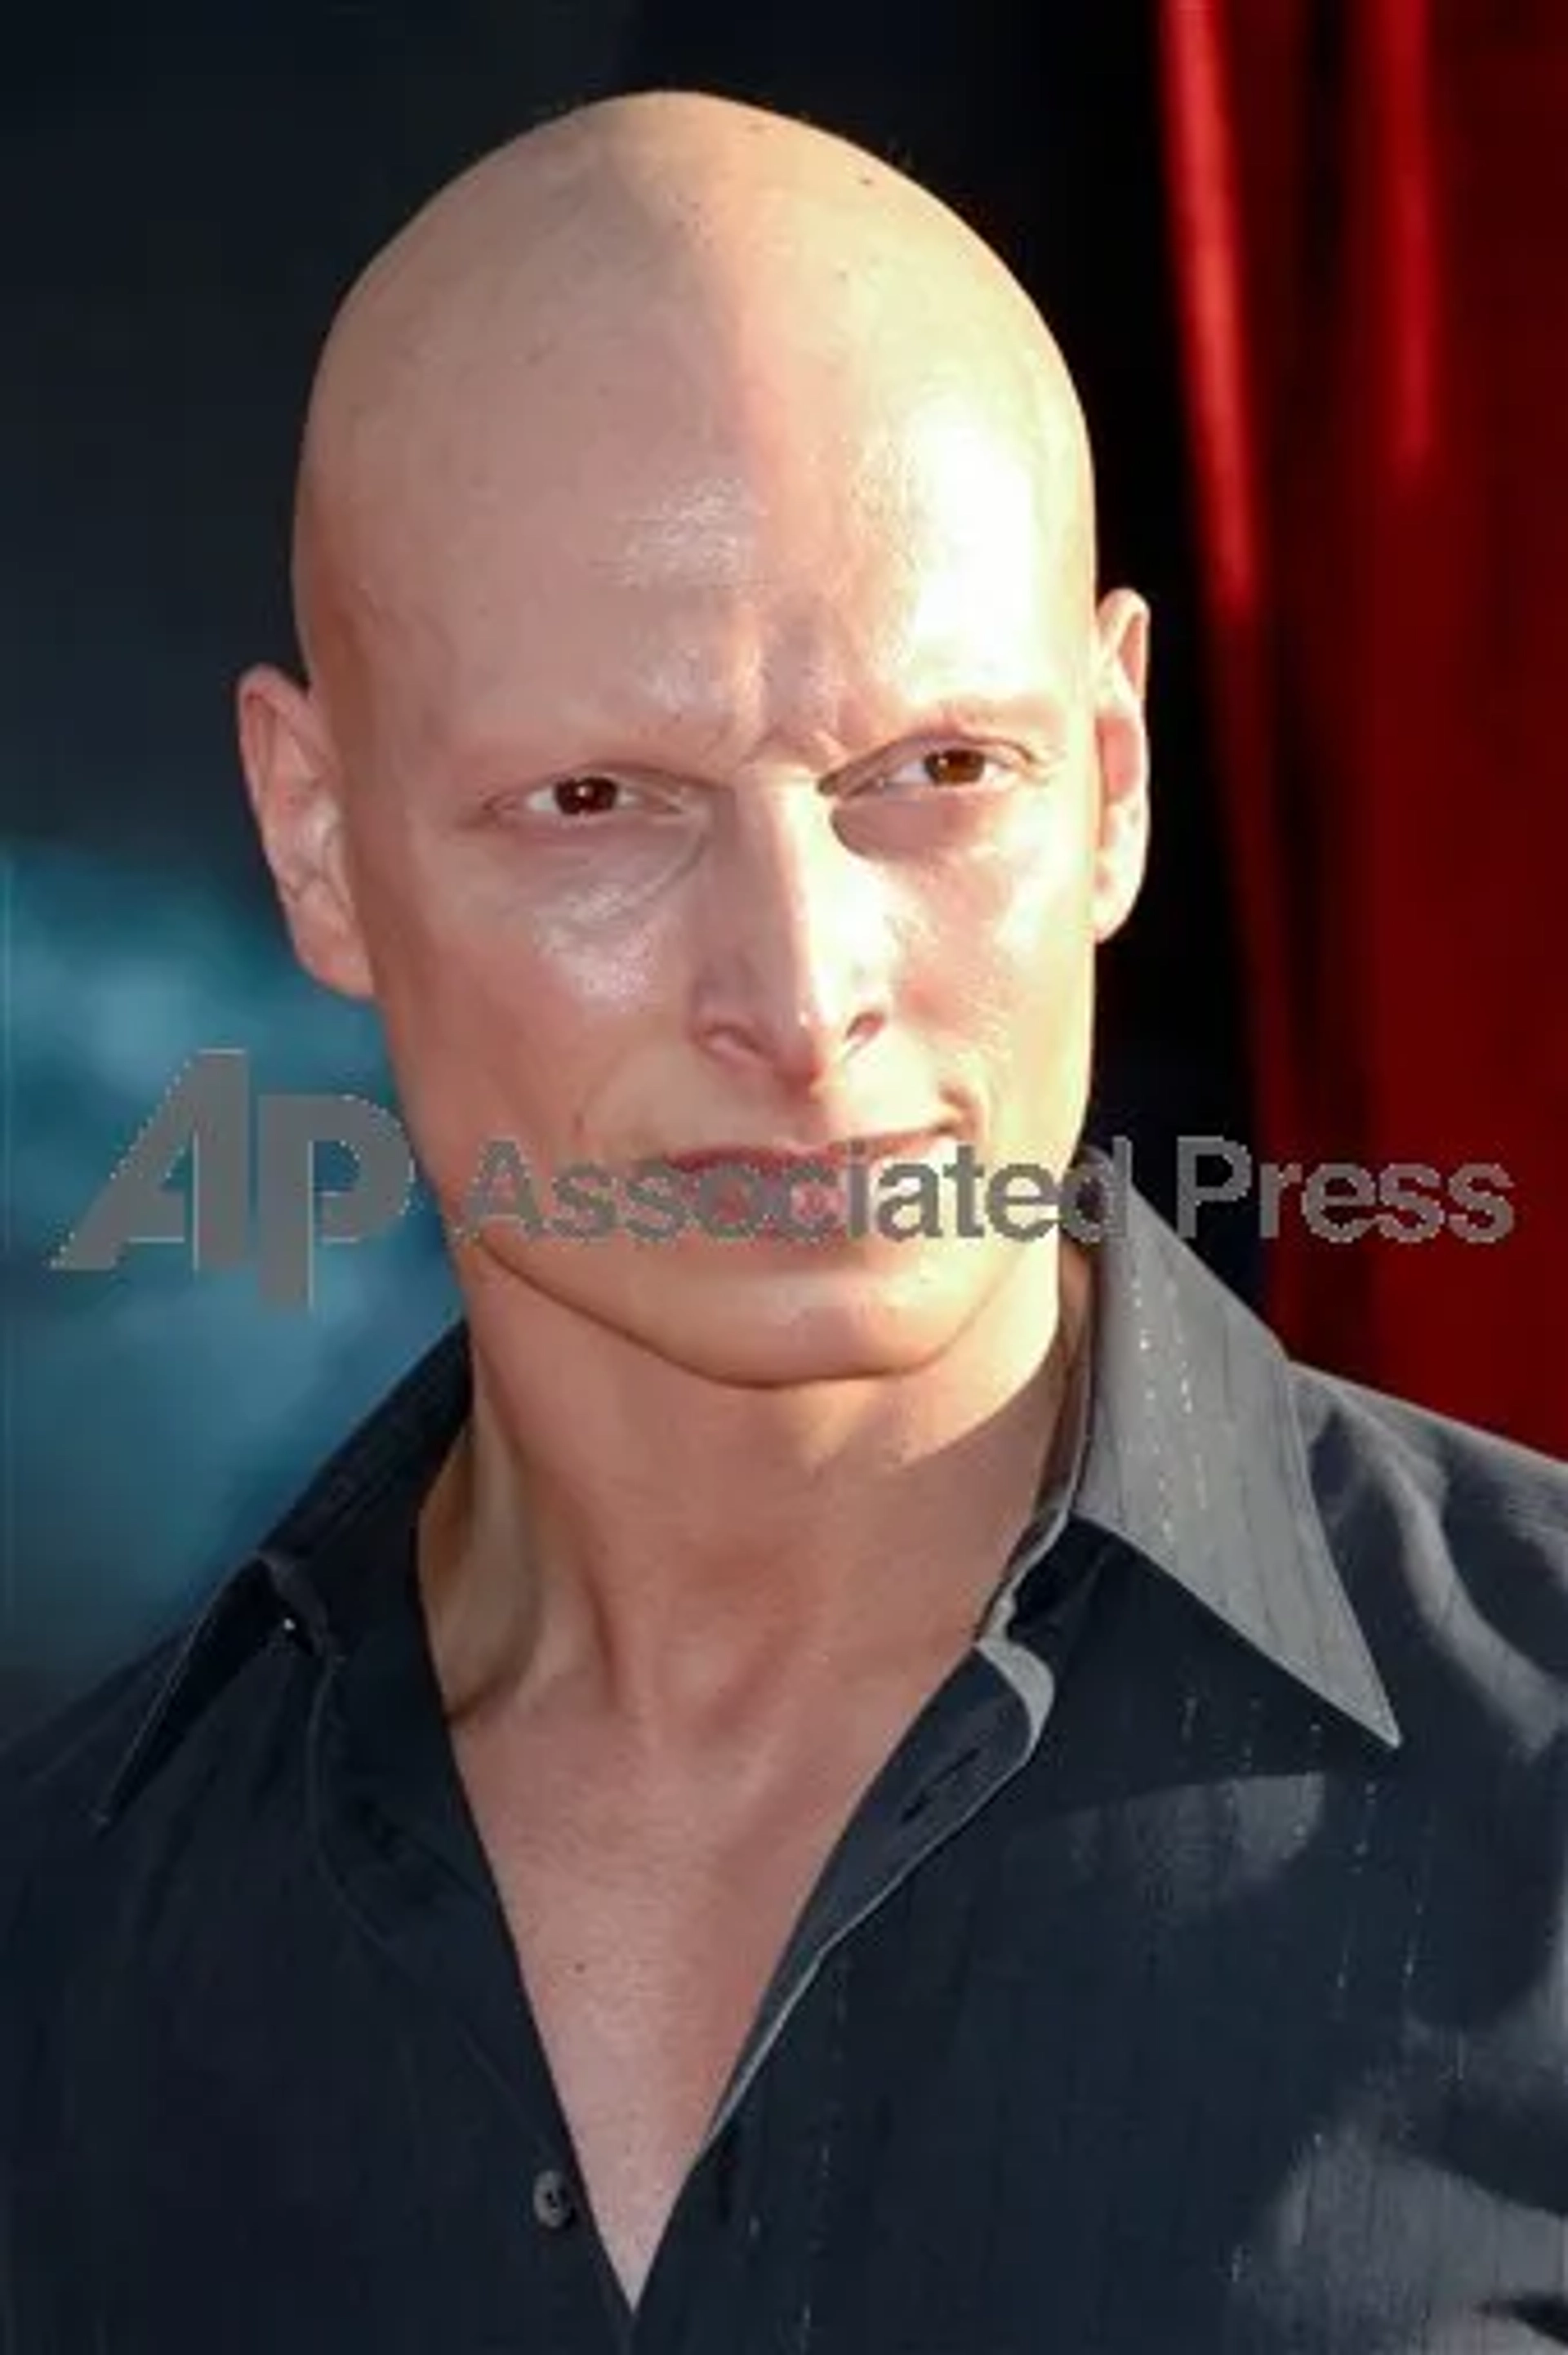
point(951, 768)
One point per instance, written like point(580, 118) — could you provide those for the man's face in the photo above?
point(689, 802)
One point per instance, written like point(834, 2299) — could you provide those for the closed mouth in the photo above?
point(772, 1160)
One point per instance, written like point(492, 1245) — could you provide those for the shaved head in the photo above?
point(647, 278)
point(711, 735)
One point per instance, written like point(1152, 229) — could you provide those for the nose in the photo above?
point(794, 975)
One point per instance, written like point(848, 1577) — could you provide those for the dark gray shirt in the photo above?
point(1192, 1979)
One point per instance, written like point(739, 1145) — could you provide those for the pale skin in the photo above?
point(685, 449)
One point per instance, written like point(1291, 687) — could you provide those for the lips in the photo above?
point(776, 1160)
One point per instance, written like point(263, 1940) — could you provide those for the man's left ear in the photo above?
point(1121, 674)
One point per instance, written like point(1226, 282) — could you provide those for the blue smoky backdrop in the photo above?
point(158, 1417)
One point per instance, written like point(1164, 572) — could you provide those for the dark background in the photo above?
point(188, 196)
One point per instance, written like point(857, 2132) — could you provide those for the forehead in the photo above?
point(833, 562)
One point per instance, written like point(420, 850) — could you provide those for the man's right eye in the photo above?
point(591, 796)
point(579, 801)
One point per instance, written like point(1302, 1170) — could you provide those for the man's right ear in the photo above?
point(292, 773)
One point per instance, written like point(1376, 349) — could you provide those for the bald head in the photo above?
point(660, 297)
point(713, 735)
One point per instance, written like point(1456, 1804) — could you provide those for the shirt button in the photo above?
point(553, 2205)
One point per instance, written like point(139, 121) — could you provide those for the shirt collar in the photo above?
point(1193, 1457)
point(1188, 1451)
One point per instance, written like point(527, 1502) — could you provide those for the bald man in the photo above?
point(863, 1787)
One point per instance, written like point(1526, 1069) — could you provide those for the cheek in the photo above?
point(1007, 936)
point(460, 940)
point(1043, 923)
point(467, 1007)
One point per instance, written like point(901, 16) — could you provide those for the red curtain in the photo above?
point(1369, 202)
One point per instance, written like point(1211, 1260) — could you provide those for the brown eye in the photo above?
point(958, 764)
point(951, 768)
point(584, 796)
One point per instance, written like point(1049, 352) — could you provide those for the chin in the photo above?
point(793, 1349)
point(766, 1319)
point(769, 1326)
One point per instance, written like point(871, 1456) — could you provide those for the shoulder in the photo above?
point(1452, 1539)
point(1470, 1480)
point(52, 1780)
point(196, 1720)
point(53, 1774)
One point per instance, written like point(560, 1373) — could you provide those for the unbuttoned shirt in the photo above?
point(1191, 1978)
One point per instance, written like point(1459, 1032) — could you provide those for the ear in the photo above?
point(1121, 674)
point(291, 770)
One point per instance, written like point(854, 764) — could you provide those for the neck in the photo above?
point(667, 1550)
